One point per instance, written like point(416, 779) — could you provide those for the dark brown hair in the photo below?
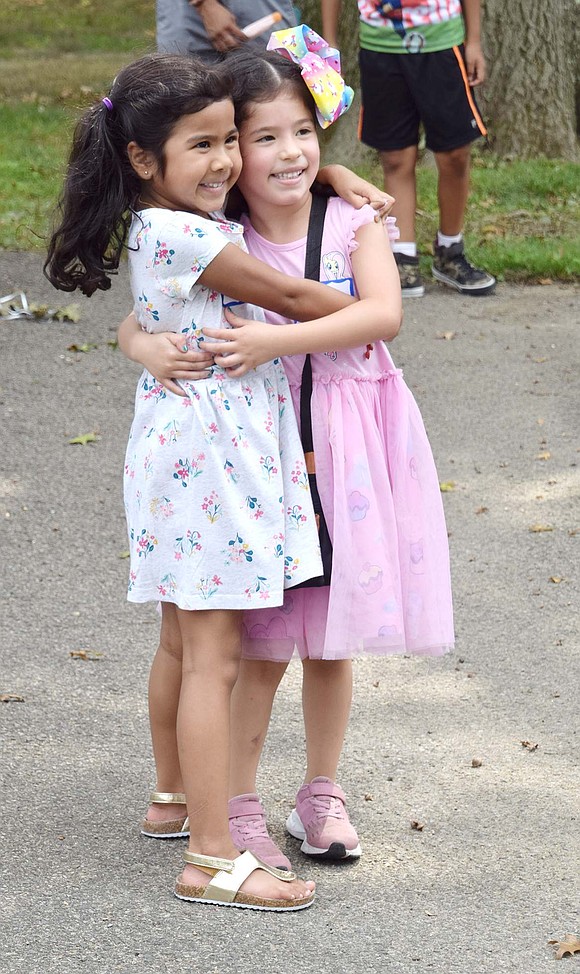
point(260, 77)
point(145, 102)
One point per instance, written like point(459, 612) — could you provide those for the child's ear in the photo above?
point(141, 160)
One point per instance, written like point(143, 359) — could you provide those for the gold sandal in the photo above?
point(227, 876)
point(177, 828)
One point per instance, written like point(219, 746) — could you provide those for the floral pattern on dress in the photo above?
point(212, 508)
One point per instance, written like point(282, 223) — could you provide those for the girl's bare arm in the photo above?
point(165, 355)
point(375, 317)
point(245, 278)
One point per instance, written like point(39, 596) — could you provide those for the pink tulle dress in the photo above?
point(390, 590)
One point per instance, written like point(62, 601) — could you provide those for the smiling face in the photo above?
point(280, 151)
point(202, 162)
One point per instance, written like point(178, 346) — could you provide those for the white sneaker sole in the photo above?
point(336, 850)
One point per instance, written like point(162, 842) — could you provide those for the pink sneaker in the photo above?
point(248, 830)
point(321, 820)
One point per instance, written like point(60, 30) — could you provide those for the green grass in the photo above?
point(522, 219)
point(59, 55)
point(522, 216)
point(52, 27)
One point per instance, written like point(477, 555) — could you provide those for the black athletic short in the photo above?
point(399, 91)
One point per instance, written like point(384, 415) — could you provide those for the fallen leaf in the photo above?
point(544, 455)
point(540, 528)
point(417, 826)
point(542, 358)
point(113, 343)
point(529, 746)
point(446, 485)
point(369, 798)
point(447, 336)
point(85, 654)
point(127, 554)
point(545, 280)
point(81, 348)
point(556, 579)
point(569, 945)
point(83, 439)
point(11, 698)
point(476, 762)
point(572, 532)
point(72, 312)
point(482, 510)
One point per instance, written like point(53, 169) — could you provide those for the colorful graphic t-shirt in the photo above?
point(410, 26)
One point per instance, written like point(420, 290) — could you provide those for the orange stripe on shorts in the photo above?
point(472, 104)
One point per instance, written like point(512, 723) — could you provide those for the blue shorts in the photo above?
point(400, 91)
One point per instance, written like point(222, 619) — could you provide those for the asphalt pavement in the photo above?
point(462, 773)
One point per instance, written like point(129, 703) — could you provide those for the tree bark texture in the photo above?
point(529, 98)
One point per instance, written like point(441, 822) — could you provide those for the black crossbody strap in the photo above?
point(311, 272)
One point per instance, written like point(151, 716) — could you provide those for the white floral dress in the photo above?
point(218, 508)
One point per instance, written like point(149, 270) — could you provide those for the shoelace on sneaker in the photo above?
point(326, 806)
point(251, 827)
point(461, 261)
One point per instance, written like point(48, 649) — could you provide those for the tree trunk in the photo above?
point(340, 142)
point(529, 98)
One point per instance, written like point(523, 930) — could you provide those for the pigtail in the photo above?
point(99, 189)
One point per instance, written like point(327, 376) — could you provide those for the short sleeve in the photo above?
point(184, 247)
point(352, 219)
point(366, 214)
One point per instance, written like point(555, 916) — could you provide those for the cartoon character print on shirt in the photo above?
point(334, 270)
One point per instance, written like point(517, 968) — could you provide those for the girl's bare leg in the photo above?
point(252, 701)
point(164, 691)
point(211, 654)
point(326, 702)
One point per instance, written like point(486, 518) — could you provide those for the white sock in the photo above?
point(444, 241)
point(409, 248)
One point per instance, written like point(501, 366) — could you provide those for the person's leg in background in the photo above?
point(451, 125)
point(390, 124)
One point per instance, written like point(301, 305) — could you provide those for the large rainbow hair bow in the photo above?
point(320, 66)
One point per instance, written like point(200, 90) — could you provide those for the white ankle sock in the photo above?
point(445, 241)
point(408, 248)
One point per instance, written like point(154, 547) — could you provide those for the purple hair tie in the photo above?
point(108, 104)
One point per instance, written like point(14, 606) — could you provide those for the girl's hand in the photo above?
point(167, 358)
point(356, 191)
point(250, 344)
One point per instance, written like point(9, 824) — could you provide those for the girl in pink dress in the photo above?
point(390, 588)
